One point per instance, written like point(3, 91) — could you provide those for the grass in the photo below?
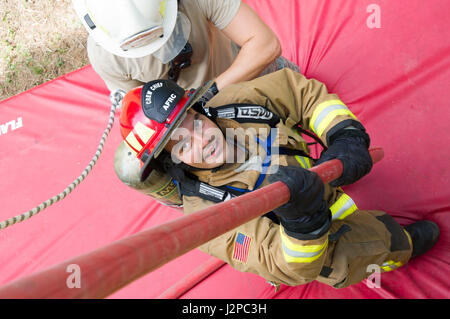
point(39, 41)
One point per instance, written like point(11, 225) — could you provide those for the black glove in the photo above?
point(351, 147)
point(306, 210)
point(306, 189)
point(208, 95)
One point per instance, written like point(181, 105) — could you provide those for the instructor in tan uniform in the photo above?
point(246, 137)
point(188, 41)
point(227, 40)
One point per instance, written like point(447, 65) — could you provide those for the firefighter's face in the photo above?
point(198, 142)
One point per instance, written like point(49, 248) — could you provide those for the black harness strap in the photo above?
point(191, 187)
point(313, 136)
point(251, 113)
point(244, 113)
point(180, 62)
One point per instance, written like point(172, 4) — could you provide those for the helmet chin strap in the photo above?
point(193, 168)
point(166, 163)
point(189, 185)
point(180, 62)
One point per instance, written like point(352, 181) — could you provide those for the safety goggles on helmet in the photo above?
point(132, 28)
point(150, 114)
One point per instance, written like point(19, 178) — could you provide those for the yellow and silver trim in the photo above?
point(325, 113)
point(295, 253)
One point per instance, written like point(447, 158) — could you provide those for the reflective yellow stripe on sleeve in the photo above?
point(295, 253)
point(343, 207)
point(304, 161)
point(325, 113)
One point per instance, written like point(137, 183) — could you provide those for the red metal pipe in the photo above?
point(106, 270)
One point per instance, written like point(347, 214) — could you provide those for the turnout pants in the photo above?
point(359, 244)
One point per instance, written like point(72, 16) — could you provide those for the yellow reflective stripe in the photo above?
point(391, 265)
point(294, 253)
point(304, 161)
point(343, 207)
point(296, 257)
point(131, 139)
point(144, 132)
point(409, 237)
point(386, 268)
point(320, 108)
point(325, 113)
point(330, 117)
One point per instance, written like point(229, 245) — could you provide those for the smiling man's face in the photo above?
point(198, 142)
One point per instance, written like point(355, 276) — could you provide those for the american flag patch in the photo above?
point(241, 247)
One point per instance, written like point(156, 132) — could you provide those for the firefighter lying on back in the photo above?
point(246, 137)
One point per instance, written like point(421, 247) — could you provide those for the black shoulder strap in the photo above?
point(180, 62)
point(251, 113)
point(189, 185)
point(244, 113)
point(312, 135)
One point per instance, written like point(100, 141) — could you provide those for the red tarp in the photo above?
point(394, 78)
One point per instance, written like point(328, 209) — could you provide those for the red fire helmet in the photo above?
point(150, 114)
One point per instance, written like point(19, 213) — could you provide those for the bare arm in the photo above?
point(259, 47)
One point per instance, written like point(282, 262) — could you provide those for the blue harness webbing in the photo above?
point(267, 144)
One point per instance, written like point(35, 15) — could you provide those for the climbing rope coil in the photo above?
point(116, 100)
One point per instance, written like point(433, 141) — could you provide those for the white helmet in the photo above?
point(136, 28)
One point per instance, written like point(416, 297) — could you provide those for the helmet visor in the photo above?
point(176, 41)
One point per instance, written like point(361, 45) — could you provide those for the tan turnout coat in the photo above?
point(356, 239)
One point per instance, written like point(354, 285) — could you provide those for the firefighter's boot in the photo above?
point(424, 234)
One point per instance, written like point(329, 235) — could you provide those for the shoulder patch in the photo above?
point(241, 247)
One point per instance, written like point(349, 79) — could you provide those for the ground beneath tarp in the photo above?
point(394, 78)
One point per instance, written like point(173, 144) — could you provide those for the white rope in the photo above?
point(116, 99)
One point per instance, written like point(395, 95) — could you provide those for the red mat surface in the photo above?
point(394, 78)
